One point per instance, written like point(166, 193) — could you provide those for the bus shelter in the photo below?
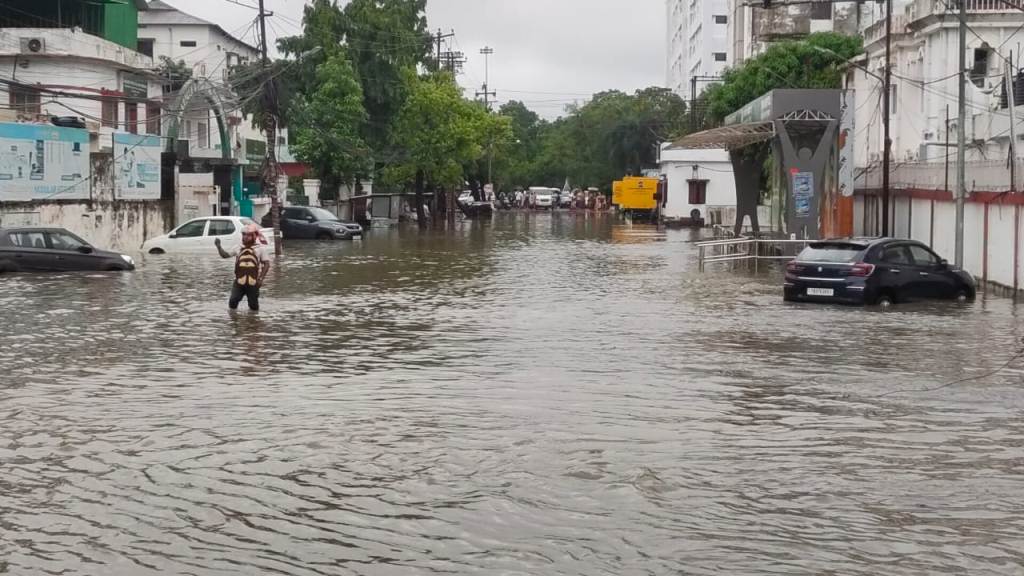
point(791, 150)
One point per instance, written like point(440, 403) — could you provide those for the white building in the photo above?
point(69, 72)
point(925, 88)
point(753, 28)
point(701, 186)
point(211, 52)
point(697, 40)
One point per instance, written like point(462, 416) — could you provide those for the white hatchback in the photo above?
point(198, 235)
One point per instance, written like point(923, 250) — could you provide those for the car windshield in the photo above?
point(323, 215)
point(821, 252)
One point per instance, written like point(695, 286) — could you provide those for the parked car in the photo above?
point(54, 250)
point(873, 271)
point(466, 197)
point(198, 235)
point(565, 199)
point(310, 223)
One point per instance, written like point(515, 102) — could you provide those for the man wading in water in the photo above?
point(251, 267)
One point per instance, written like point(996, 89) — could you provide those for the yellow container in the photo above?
point(633, 193)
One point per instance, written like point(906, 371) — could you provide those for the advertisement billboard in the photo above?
point(136, 166)
point(43, 162)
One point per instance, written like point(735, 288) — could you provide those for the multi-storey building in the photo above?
point(697, 43)
point(924, 127)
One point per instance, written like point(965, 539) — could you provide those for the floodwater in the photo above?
point(547, 394)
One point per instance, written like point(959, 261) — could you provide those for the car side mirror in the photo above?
point(172, 235)
point(943, 264)
point(85, 249)
point(310, 219)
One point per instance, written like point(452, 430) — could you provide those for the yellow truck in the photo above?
point(634, 195)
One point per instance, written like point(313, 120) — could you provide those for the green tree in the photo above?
point(514, 164)
point(325, 123)
point(388, 40)
point(441, 132)
point(323, 28)
point(814, 62)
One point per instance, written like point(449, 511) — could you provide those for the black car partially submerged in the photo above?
point(310, 223)
point(873, 271)
point(54, 250)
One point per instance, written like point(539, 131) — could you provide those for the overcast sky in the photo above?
point(547, 53)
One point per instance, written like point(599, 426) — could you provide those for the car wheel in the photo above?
point(964, 296)
point(324, 236)
point(156, 251)
point(886, 300)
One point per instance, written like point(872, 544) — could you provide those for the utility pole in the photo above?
point(486, 93)
point(1011, 95)
point(886, 117)
point(961, 145)
point(270, 129)
point(438, 38)
point(693, 96)
point(487, 51)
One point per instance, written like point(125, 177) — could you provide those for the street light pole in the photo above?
point(961, 144)
point(886, 117)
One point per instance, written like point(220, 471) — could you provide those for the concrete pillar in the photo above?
point(344, 206)
point(312, 188)
point(282, 189)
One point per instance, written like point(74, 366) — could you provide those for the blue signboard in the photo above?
point(803, 193)
point(43, 162)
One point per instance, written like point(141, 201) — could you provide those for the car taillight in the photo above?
point(794, 268)
point(862, 269)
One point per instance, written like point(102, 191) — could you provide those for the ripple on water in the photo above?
point(550, 394)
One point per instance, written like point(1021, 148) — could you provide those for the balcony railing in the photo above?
point(924, 8)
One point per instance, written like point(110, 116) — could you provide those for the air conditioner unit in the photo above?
point(33, 45)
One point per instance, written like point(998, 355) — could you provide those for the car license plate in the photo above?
point(820, 292)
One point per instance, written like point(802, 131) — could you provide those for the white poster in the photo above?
point(136, 166)
point(43, 162)
point(847, 129)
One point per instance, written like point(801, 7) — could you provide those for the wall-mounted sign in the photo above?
point(40, 162)
point(803, 193)
point(134, 85)
point(136, 166)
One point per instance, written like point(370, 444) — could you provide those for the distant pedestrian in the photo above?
point(251, 267)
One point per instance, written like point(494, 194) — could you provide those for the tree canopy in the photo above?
point(814, 62)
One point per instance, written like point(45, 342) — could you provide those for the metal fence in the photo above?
point(747, 249)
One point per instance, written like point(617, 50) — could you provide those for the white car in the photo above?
point(198, 235)
point(543, 197)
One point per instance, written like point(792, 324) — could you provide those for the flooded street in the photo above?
point(547, 394)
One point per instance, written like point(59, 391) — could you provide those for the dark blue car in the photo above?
point(873, 271)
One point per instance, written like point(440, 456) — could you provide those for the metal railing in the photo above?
point(748, 249)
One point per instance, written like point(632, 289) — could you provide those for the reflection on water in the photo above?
point(544, 394)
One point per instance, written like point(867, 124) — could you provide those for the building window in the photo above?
point(980, 69)
point(131, 117)
point(187, 43)
point(721, 19)
point(698, 191)
point(720, 56)
point(108, 112)
point(893, 101)
point(145, 46)
point(153, 118)
point(821, 11)
point(204, 135)
point(25, 101)
point(282, 141)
